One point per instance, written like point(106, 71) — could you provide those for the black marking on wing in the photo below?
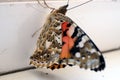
point(75, 48)
point(102, 61)
point(64, 32)
point(63, 43)
point(101, 65)
point(94, 46)
point(68, 25)
point(75, 32)
point(60, 61)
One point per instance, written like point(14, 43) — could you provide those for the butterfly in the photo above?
point(63, 43)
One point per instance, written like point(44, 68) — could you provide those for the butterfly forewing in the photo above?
point(81, 48)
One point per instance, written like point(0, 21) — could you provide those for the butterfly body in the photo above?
point(62, 42)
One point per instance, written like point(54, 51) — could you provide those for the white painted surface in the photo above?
point(73, 73)
point(18, 21)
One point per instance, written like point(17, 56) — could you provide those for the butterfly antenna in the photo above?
point(79, 4)
point(48, 5)
point(40, 4)
point(45, 5)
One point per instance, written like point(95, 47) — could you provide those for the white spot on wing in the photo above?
point(83, 58)
point(59, 39)
point(81, 44)
point(93, 50)
point(71, 31)
point(85, 38)
point(58, 27)
point(77, 55)
point(71, 60)
point(88, 56)
point(53, 53)
point(74, 24)
point(47, 44)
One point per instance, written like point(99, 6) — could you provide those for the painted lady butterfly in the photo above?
point(62, 42)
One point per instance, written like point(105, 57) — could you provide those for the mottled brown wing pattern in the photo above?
point(49, 43)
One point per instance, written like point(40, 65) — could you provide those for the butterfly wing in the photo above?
point(62, 43)
point(79, 49)
point(49, 44)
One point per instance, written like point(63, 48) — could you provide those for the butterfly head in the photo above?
point(62, 9)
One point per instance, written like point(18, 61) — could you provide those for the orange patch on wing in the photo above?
point(68, 42)
point(65, 48)
point(64, 26)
